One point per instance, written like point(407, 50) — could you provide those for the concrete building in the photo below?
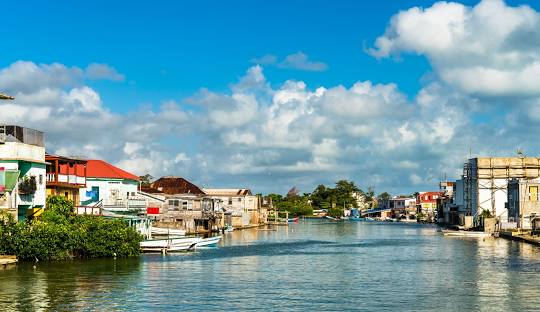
point(178, 202)
point(22, 163)
point(240, 206)
point(485, 183)
point(65, 177)
point(427, 204)
point(523, 202)
point(110, 187)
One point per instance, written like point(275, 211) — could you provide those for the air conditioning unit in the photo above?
point(3, 138)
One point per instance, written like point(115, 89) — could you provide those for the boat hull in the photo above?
point(465, 233)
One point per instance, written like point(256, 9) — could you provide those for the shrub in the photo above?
point(60, 234)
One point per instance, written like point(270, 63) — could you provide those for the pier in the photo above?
point(7, 260)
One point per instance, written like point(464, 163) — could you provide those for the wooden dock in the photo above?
point(6, 260)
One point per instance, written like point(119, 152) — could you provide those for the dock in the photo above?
point(521, 237)
point(7, 260)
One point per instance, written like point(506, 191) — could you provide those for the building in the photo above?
point(110, 188)
point(181, 203)
point(240, 206)
point(445, 201)
point(485, 184)
point(427, 204)
point(523, 202)
point(399, 206)
point(22, 163)
point(361, 201)
point(65, 177)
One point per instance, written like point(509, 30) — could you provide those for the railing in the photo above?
point(68, 179)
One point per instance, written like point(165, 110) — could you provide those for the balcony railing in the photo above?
point(66, 179)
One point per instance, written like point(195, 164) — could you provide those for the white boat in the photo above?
point(465, 233)
point(228, 229)
point(208, 242)
point(166, 231)
point(175, 243)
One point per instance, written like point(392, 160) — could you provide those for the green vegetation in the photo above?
point(295, 204)
point(60, 234)
point(334, 200)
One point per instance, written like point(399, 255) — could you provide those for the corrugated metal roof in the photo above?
point(102, 169)
point(227, 192)
point(173, 185)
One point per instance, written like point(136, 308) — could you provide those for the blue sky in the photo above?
point(190, 58)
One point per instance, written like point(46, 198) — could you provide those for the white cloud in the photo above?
point(96, 71)
point(297, 61)
point(490, 49)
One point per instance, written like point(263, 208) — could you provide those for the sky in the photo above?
point(268, 95)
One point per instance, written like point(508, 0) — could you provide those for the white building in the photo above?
point(22, 171)
point(485, 183)
point(111, 188)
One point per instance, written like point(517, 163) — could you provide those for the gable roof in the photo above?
point(101, 169)
point(174, 185)
point(228, 192)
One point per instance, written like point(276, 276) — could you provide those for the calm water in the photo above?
point(313, 265)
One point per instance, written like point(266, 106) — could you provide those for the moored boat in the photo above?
point(208, 242)
point(175, 243)
point(465, 233)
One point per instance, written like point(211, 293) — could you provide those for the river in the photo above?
point(313, 265)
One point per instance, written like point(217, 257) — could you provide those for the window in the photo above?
point(40, 179)
point(239, 199)
point(230, 200)
point(185, 205)
point(533, 193)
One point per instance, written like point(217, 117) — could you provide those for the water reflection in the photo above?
point(312, 265)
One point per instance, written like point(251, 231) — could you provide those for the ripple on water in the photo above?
point(307, 266)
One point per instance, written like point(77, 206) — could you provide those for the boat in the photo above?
point(369, 219)
point(465, 233)
point(228, 229)
point(331, 218)
point(295, 220)
point(166, 231)
point(174, 243)
point(357, 219)
point(208, 242)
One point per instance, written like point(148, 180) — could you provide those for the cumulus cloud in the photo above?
point(270, 136)
point(96, 71)
point(490, 49)
point(297, 61)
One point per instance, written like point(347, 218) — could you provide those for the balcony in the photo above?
point(65, 172)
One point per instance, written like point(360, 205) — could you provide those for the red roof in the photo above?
point(102, 169)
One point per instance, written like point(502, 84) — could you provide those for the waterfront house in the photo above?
point(485, 184)
point(65, 177)
point(427, 204)
point(22, 167)
point(523, 201)
point(445, 201)
point(240, 206)
point(181, 203)
point(398, 206)
point(110, 188)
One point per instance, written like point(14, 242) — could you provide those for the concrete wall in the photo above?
point(21, 151)
point(110, 190)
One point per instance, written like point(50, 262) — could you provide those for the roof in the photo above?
point(102, 169)
point(173, 185)
point(227, 192)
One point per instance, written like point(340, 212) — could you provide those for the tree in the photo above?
point(384, 196)
point(146, 180)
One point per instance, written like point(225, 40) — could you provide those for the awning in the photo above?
point(11, 179)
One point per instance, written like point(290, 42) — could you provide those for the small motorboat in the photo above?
point(295, 220)
point(465, 233)
point(173, 243)
point(208, 242)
